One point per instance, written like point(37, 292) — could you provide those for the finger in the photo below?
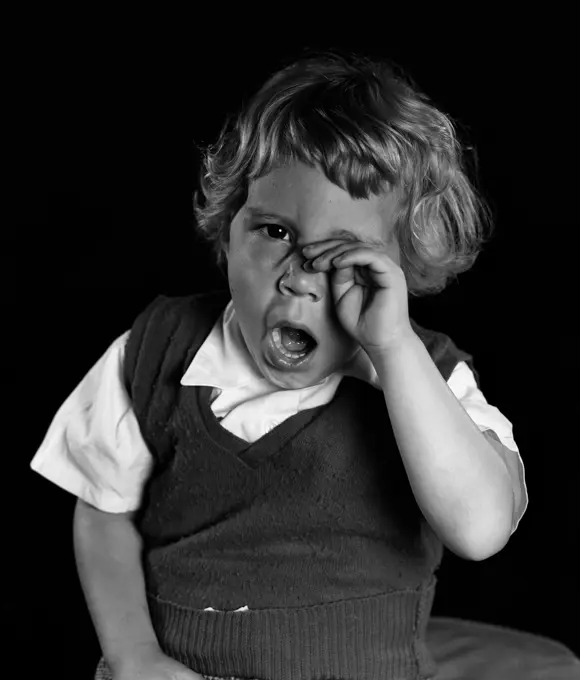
point(345, 275)
point(364, 257)
point(351, 274)
point(342, 280)
point(324, 260)
point(353, 303)
point(381, 270)
point(315, 249)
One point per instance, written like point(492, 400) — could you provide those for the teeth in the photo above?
point(277, 337)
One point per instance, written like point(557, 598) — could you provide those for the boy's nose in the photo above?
point(298, 281)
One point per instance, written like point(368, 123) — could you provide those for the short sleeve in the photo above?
point(487, 417)
point(93, 447)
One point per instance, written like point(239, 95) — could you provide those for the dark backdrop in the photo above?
point(105, 168)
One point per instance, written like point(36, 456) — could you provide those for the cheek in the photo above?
point(248, 279)
point(254, 263)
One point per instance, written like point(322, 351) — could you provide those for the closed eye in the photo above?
point(272, 228)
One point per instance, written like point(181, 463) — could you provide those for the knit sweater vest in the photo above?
point(314, 526)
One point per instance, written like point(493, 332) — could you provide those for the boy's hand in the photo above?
point(369, 291)
point(155, 665)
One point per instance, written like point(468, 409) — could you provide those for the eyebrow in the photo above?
point(335, 233)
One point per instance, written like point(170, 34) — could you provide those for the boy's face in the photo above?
point(265, 266)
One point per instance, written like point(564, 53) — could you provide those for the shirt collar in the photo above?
point(223, 360)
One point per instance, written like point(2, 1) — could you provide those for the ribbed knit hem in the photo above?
point(373, 638)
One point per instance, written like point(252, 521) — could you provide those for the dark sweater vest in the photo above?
point(314, 526)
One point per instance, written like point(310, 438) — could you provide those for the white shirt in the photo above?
point(94, 449)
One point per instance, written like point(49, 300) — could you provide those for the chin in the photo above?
point(290, 380)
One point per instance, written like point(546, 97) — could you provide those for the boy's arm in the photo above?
point(461, 484)
point(108, 554)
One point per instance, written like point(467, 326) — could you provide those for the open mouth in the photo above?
point(292, 346)
point(293, 343)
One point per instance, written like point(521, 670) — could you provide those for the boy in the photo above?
point(284, 467)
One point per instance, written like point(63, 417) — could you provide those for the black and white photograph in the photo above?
point(292, 353)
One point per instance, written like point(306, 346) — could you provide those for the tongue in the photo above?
point(293, 339)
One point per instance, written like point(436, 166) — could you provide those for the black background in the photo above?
point(104, 168)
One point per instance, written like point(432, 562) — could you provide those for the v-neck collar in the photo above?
point(250, 455)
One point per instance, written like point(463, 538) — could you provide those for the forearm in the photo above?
point(459, 481)
point(108, 555)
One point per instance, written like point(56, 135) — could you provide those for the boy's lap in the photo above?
point(479, 651)
point(103, 672)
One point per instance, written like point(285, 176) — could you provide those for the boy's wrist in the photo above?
point(129, 661)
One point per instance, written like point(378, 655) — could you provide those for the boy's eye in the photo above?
point(273, 230)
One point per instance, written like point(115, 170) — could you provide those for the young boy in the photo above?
point(267, 475)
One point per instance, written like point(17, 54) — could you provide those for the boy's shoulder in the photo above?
point(430, 336)
point(443, 350)
point(167, 331)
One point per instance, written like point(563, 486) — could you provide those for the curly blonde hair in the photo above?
point(366, 125)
